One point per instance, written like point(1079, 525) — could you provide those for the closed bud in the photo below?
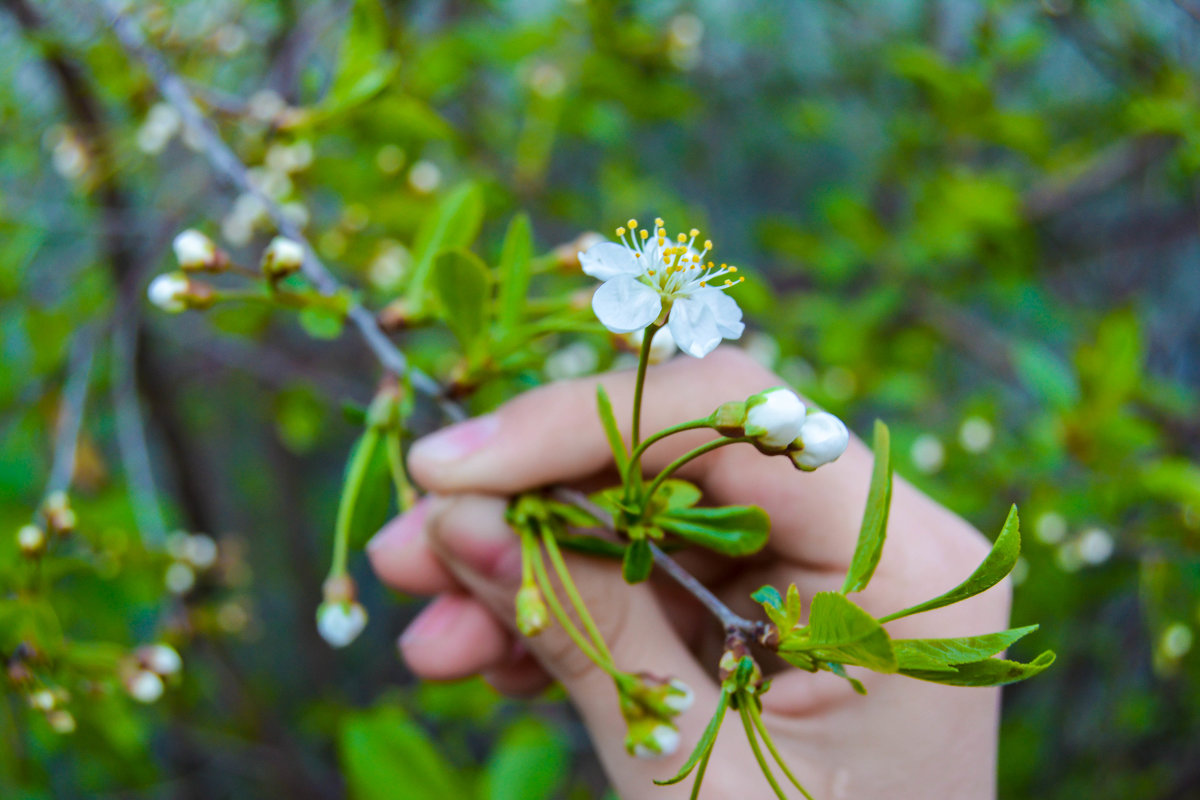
point(61, 721)
point(43, 700)
point(282, 257)
point(32, 540)
point(651, 738)
point(822, 439)
point(532, 617)
point(730, 418)
point(175, 292)
point(161, 659)
point(775, 417)
point(340, 623)
point(144, 686)
point(195, 251)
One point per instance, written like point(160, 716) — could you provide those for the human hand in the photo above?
point(908, 739)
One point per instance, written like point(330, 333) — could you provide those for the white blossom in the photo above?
point(169, 292)
point(1095, 546)
point(341, 623)
point(680, 698)
point(161, 659)
point(194, 250)
point(646, 274)
point(822, 439)
point(775, 417)
point(31, 539)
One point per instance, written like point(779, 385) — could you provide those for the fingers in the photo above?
point(401, 557)
point(452, 638)
point(470, 535)
point(553, 435)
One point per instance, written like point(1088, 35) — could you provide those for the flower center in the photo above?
point(675, 269)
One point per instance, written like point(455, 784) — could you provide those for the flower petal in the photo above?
point(607, 260)
point(625, 304)
point(694, 327)
point(725, 311)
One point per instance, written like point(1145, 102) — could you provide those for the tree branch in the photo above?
point(227, 165)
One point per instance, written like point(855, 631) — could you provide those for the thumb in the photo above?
point(472, 539)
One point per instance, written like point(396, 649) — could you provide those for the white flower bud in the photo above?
point(194, 250)
point(161, 659)
point(662, 347)
point(282, 257)
point(43, 700)
point(169, 292)
point(663, 740)
point(144, 686)
point(179, 578)
point(341, 623)
point(823, 439)
point(775, 417)
point(200, 551)
point(681, 697)
point(61, 721)
point(31, 539)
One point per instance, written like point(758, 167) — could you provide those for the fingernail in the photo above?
point(457, 441)
point(404, 529)
point(437, 617)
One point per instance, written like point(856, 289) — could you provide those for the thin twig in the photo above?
point(131, 432)
point(227, 164)
point(70, 410)
point(729, 619)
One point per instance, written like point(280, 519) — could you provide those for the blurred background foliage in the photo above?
point(976, 220)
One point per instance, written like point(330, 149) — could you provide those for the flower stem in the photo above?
point(688, 456)
point(360, 460)
point(543, 578)
point(640, 382)
point(762, 762)
point(568, 583)
point(406, 495)
point(636, 456)
point(756, 718)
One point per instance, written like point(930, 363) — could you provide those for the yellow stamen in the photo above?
point(650, 272)
point(708, 244)
point(620, 231)
point(658, 223)
point(704, 283)
point(694, 232)
point(733, 269)
point(681, 238)
point(644, 234)
point(632, 223)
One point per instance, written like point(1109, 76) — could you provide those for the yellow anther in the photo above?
point(645, 233)
point(724, 266)
point(704, 283)
point(667, 260)
point(650, 272)
point(733, 269)
point(728, 282)
point(658, 223)
point(694, 232)
point(711, 265)
point(637, 255)
point(681, 238)
point(708, 244)
point(632, 223)
point(620, 231)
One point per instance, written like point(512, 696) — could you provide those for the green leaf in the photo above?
point(1047, 376)
point(463, 286)
point(988, 672)
point(515, 257)
point(639, 560)
point(591, 545)
point(609, 420)
point(729, 530)
point(530, 762)
point(875, 516)
point(999, 562)
point(383, 750)
point(769, 597)
point(943, 654)
point(454, 222)
point(321, 323)
point(839, 631)
point(674, 494)
point(707, 740)
point(365, 66)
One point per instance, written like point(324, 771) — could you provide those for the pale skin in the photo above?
point(906, 739)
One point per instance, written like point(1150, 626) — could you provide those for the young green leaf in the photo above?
point(609, 420)
point(729, 530)
point(454, 222)
point(987, 672)
point(675, 494)
point(530, 762)
point(705, 745)
point(365, 65)
point(464, 288)
point(943, 654)
point(999, 562)
point(840, 631)
point(875, 516)
point(639, 560)
point(321, 323)
point(515, 257)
